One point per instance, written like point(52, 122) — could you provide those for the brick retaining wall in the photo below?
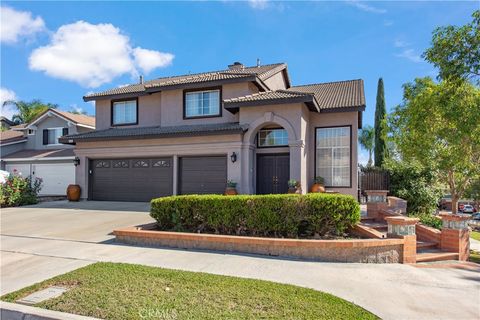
point(361, 250)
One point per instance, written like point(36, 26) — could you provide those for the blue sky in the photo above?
point(52, 50)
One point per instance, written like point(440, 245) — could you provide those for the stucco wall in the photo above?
point(36, 141)
point(276, 82)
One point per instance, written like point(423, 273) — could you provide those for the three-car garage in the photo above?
point(142, 179)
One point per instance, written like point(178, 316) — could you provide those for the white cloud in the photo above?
point(17, 24)
point(92, 55)
point(388, 23)
point(401, 44)
point(410, 54)
point(258, 4)
point(6, 95)
point(365, 7)
point(147, 60)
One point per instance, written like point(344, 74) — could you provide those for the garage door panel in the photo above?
point(203, 175)
point(131, 179)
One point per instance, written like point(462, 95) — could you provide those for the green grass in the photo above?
point(475, 235)
point(474, 256)
point(126, 291)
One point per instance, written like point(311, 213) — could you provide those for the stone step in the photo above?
point(426, 245)
point(429, 255)
point(367, 232)
point(380, 226)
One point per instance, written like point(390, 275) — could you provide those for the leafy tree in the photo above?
point(456, 50)
point(366, 140)
point(438, 126)
point(380, 126)
point(27, 111)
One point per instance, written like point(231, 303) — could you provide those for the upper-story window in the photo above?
point(205, 103)
point(51, 135)
point(333, 155)
point(124, 112)
point(276, 137)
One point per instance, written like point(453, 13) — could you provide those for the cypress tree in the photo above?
point(380, 126)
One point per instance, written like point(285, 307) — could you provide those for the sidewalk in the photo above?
point(392, 291)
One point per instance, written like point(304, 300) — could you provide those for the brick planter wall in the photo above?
point(362, 250)
point(426, 233)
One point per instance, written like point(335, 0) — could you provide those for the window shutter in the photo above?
point(45, 136)
point(65, 132)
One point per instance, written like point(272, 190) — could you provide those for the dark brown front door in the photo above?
point(131, 179)
point(273, 172)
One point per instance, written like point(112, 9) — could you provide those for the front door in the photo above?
point(273, 172)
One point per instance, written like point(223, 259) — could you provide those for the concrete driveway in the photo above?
point(45, 240)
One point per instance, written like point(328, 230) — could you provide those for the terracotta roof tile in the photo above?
point(11, 136)
point(50, 153)
point(78, 118)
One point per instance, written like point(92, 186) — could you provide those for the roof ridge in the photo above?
point(318, 83)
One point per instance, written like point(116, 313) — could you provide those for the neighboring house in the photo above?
point(5, 123)
point(189, 134)
point(34, 149)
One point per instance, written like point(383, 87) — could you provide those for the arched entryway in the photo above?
point(269, 141)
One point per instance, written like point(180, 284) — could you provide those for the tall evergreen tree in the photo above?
point(380, 126)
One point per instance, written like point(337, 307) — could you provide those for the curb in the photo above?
point(14, 311)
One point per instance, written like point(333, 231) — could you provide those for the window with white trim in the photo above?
point(333, 148)
point(54, 134)
point(124, 112)
point(202, 103)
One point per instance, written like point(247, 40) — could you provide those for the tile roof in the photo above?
point(240, 74)
point(11, 136)
point(39, 154)
point(334, 95)
point(320, 96)
point(156, 131)
point(77, 118)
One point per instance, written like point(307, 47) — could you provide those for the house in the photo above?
point(188, 134)
point(6, 123)
point(33, 149)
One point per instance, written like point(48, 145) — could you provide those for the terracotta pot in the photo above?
point(231, 192)
point(317, 188)
point(73, 192)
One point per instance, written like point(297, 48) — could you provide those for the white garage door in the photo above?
point(56, 177)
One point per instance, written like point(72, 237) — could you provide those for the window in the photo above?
point(50, 136)
point(272, 138)
point(31, 132)
point(202, 104)
point(333, 156)
point(124, 112)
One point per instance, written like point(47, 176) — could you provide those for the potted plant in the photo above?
point(318, 185)
point(231, 188)
point(294, 186)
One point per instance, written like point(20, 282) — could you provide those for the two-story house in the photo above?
point(188, 134)
point(34, 149)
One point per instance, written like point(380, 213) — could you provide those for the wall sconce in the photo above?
point(233, 157)
point(76, 161)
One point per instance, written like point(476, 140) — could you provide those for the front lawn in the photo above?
point(475, 235)
point(125, 291)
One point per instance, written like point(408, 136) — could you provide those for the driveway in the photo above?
point(42, 241)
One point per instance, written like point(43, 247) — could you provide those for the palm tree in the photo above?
point(27, 111)
point(367, 141)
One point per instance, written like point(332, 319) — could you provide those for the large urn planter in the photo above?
point(231, 189)
point(73, 192)
point(294, 187)
point(318, 185)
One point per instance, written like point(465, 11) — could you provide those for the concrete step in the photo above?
point(426, 245)
point(367, 232)
point(380, 226)
point(429, 255)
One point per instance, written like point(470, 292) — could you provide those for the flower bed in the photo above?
point(19, 191)
point(282, 216)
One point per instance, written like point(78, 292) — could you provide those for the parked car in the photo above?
point(476, 216)
point(468, 209)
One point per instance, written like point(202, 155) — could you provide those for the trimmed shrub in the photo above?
point(282, 215)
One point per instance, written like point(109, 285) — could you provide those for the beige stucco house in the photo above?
point(189, 134)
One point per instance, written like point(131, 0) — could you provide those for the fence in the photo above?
point(372, 180)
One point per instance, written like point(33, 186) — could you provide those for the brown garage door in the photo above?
point(203, 175)
point(131, 179)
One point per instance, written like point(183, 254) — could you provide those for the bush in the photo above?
point(19, 191)
point(283, 215)
point(430, 220)
point(415, 184)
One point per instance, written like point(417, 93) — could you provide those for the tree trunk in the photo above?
point(454, 204)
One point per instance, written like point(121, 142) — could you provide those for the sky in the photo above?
point(59, 51)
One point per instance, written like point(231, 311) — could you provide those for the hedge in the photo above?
point(283, 215)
